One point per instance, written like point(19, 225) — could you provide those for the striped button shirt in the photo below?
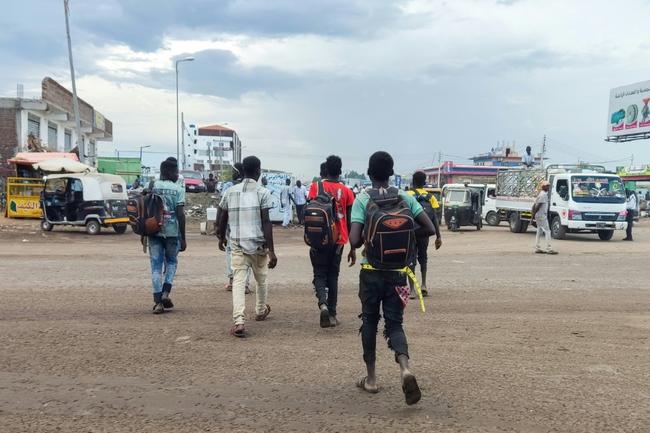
point(244, 203)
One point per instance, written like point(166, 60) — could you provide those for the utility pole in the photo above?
point(543, 150)
point(75, 101)
point(220, 156)
point(183, 139)
point(439, 167)
point(178, 146)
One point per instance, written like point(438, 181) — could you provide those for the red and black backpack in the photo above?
point(320, 220)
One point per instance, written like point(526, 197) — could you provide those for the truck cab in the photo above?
point(586, 202)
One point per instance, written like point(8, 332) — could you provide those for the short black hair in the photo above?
point(168, 169)
point(172, 159)
point(323, 169)
point(419, 179)
point(334, 165)
point(251, 166)
point(237, 171)
point(380, 166)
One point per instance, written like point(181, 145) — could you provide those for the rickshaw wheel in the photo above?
point(93, 227)
point(120, 229)
point(46, 226)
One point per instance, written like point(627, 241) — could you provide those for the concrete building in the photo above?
point(48, 124)
point(459, 173)
point(504, 155)
point(209, 148)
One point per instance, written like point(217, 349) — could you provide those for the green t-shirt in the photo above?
point(361, 202)
point(173, 195)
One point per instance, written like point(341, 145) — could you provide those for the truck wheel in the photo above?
point(515, 222)
point(524, 226)
point(46, 226)
point(93, 227)
point(605, 235)
point(120, 229)
point(492, 218)
point(558, 231)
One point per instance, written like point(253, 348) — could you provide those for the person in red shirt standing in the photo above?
point(327, 262)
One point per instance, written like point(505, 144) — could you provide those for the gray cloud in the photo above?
point(141, 24)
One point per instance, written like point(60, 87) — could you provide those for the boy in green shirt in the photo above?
point(377, 288)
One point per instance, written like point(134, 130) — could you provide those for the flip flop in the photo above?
point(411, 389)
point(264, 315)
point(361, 383)
point(238, 331)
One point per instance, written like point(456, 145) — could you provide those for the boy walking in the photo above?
point(300, 199)
point(244, 210)
point(429, 204)
point(326, 261)
point(165, 245)
point(382, 289)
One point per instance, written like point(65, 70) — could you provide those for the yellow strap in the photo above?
point(409, 273)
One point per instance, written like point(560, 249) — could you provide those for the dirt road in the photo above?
point(511, 341)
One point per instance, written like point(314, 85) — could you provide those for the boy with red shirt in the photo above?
point(327, 262)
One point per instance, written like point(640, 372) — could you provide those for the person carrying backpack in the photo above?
point(327, 224)
point(429, 204)
point(384, 221)
point(165, 245)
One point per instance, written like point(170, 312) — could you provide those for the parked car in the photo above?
point(193, 181)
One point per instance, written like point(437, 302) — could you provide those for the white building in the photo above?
point(209, 148)
point(47, 124)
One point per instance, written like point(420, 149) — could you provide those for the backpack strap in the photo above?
point(321, 189)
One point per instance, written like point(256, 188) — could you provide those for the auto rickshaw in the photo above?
point(462, 206)
point(93, 200)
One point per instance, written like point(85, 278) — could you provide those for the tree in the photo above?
point(354, 175)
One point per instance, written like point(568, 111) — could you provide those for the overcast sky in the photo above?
point(303, 79)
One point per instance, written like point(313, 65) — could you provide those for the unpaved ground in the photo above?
point(511, 341)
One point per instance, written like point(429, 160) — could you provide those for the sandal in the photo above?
point(238, 331)
point(264, 315)
point(411, 389)
point(361, 383)
point(229, 286)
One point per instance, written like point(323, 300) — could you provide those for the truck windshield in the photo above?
point(597, 189)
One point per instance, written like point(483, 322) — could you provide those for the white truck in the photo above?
point(582, 199)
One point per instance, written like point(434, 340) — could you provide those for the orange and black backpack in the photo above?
point(146, 213)
point(389, 230)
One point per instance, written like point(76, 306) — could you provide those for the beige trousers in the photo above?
point(242, 264)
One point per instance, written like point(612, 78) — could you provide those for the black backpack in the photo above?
point(389, 230)
point(146, 213)
point(425, 202)
point(320, 220)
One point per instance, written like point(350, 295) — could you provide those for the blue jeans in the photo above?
point(163, 253)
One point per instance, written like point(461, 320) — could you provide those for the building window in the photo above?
point(33, 126)
point(67, 142)
point(51, 134)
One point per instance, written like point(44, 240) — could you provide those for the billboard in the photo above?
point(629, 113)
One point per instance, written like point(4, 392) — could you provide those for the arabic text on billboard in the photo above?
point(629, 113)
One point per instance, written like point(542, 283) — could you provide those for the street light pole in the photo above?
point(142, 147)
point(75, 101)
point(178, 146)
